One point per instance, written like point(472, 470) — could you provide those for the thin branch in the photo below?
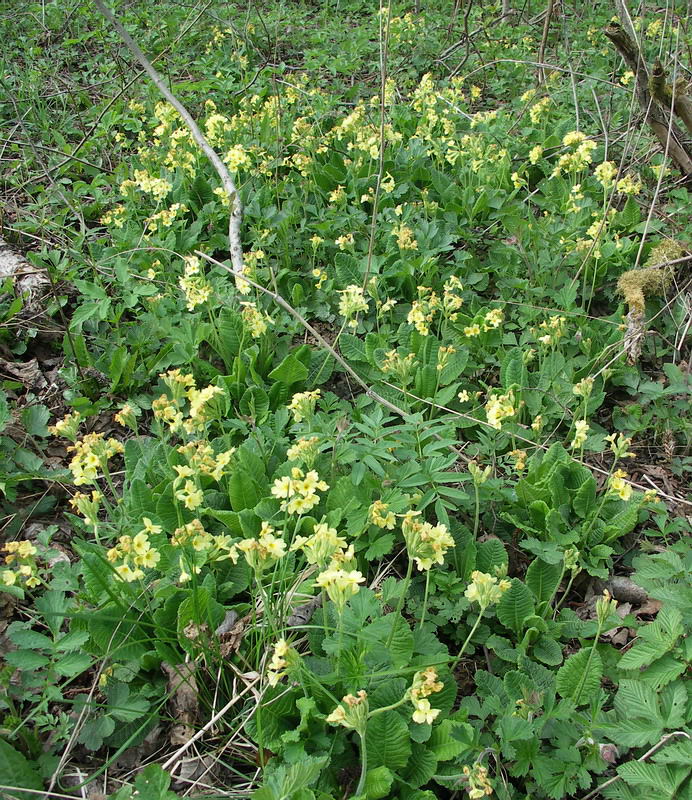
point(229, 186)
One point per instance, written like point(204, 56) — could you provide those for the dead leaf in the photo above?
point(183, 703)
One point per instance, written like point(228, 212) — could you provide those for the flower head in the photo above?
point(485, 590)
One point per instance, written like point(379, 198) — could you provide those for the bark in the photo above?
point(670, 97)
point(658, 119)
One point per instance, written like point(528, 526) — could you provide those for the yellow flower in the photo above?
point(485, 590)
point(605, 173)
point(379, 515)
point(352, 303)
point(581, 430)
point(340, 584)
point(535, 154)
point(424, 714)
point(499, 408)
point(67, 426)
point(9, 578)
point(190, 496)
point(302, 404)
point(345, 241)
point(617, 484)
point(255, 320)
point(404, 237)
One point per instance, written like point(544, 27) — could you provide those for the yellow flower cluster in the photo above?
point(216, 126)
point(479, 785)
point(340, 584)
point(135, 552)
point(237, 158)
point(352, 303)
point(166, 217)
point(182, 153)
point(200, 456)
point(605, 173)
point(485, 590)
point(194, 285)
point(304, 451)
point(67, 426)
point(88, 506)
point(583, 388)
point(499, 408)
point(91, 455)
point(629, 185)
point(555, 328)
point(206, 548)
point(352, 712)
point(579, 158)
point(263, 551)
point(158, 188)
point(423, 310)
point(23, 555)
point(170, 410)
point(302, 404)
point(444, 353)
point(116, 217)
point(519, 457)
point(426, 544)
point(380, 515)
point(321, 546)
point(618, 484)
point(619, 444)
point(451, 300)
point(298, 492)
point(127, 417)
point(255, 320)
point(581, 431)
point(404, 237)
point(250, 264)
point(398, 365)
point(535, 154)
point(537, 109)
point(425, 683)
point(282, 658)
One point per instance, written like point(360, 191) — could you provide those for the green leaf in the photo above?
point(449, 739)
point(387, 740)
point(490, 554)
point(286, 781)
point(347, 270)
point(378, 782)
point(95, 731)
point(72, 664)
point(422, 766)
point(16, 770)
point(542, 579)
point(289, 371)
point(580, 676)
point(152, 784)
point(5, 415)
point(585, 499)
point(255, 403)
point(663, 779)
point(515, 606)
point(352, 348)
point(35, 419)
point(243, 491)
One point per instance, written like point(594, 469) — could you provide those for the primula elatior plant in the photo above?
point(343, 507)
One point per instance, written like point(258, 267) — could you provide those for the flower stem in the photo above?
point(425, 599)
point(363, 765)
point(469, 637)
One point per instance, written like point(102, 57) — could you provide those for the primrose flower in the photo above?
point(535, 154)
point(351, 713)
point(629, 185)
point(605, 606)
point(426, 544)
point(256, 321)
point(499, 408)
point(424, 714)
point(67, 426)
point(263, 551)
point(282, 658)
point(619, 444)
point(340, 584)
point(298, 492)
point(423, 310)
point(605, 173)
point(485, 590)
point(91, 455)
point(479, 785)
point(302, 404)
point(401, 366)
point(581, 430)
point(583, 388)
point(190, 496)
point(404, 237)
point(321, 546)
point(617, 484)
point(134, 552)
point(304, 450)
point(87, 506)
point(344, 242)
point(380, 515)
point(352, 303)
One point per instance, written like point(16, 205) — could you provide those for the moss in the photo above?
point(638, 284)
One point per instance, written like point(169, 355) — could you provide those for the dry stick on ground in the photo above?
point(671, 96)
point(236, 216)
point(658, 120)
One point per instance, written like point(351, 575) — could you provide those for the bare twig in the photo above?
point(663, 740)
point(229, 186)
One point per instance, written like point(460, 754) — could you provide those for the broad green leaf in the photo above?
point(378, 782)
point(95, 730)
point(580, 676)
point(585, 499)
point(352, 348)
point(449, 739)
point(16, 770)
point(388, 741)
point(289, 371)
point(243, 491)
point(490, 554)
point(515, 606)
point(421, 766)
point(542, 579)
